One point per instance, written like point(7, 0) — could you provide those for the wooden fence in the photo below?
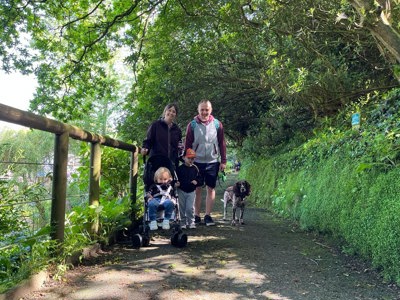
point(62, 134)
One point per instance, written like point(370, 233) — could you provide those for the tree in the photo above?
point(257, 60)
point(70, 45)
point(254, 59)
point(378, 18)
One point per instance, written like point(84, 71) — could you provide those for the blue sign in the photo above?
point(355, 119)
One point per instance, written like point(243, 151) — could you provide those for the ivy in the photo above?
point(341, 182)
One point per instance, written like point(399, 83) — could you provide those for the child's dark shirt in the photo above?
point(186, 175)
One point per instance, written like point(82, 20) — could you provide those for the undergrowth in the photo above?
point(24, 251)
point(342, 182)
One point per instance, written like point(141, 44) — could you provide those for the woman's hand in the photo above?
point(144, 151)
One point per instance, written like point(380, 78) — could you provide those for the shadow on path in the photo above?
point(267, 258)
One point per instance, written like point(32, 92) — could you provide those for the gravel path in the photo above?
point(268, 258)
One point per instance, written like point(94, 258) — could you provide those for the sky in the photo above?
point(16, 90)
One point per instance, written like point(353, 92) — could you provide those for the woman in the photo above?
point(164, 137)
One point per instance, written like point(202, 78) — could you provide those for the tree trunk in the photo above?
point(376, 18)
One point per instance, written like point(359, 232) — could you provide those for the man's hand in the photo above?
point(222, 167)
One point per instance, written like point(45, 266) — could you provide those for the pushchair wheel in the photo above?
point(174, 239)
point(145, 241)
point(137, 240)
point(182, 240)
point(179, 239)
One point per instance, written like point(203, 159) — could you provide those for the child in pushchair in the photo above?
point(160, 198)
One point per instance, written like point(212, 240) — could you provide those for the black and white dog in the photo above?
point(236, 195)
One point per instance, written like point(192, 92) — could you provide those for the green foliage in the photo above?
point(262, 177)
point(112, 215)
point(342, 182)
point(25, 246)
point(22, 252)
point(11, 217)
point(115, 173)
point(24, 242)
point(385, 234)
point(274, 72)
point(283, 67)
point(33, 147)
point(115, 170)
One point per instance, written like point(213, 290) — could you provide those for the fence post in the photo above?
point(59, 190)
point(94, 184)
point(133, 180)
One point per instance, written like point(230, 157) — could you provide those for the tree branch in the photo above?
point(80, 18)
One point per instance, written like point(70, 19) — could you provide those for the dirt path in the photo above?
point(265, 259)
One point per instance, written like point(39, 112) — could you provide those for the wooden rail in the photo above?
point(28, 119)
point(62, 133)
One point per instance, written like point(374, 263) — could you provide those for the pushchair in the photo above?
point(141, 238)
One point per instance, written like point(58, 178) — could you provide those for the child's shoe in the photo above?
point(165, 224)
point(197, 219)
point(192, 226)
point(153, 225)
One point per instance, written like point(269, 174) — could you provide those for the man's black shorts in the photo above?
point(208, 174)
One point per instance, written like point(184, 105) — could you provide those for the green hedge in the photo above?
point(341, 182)
point(358, 208)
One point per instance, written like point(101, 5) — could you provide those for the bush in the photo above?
point(341, 182)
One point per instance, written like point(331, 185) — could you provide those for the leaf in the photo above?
point(364, 166)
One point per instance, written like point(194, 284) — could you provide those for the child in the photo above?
point(160, 197)
point(188, 177)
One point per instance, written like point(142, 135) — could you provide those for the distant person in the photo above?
point(187, 181)
point(161, 197)
point(205, 135)
point(164, 137)
point(237, 166)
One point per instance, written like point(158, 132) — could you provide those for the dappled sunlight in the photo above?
point(204, 237)
point(216, 274)
point(161, 271)
point(260, 260)
point(200, 295)
point(272, 296)
point(239, 274)
point(209, 267)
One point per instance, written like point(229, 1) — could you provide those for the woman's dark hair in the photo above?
point(168, 106)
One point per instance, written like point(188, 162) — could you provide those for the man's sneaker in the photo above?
point(208, 220)
point(165, 224)
point(153, 225)
point(197, 220)
point(192, 226)
point(183, 226)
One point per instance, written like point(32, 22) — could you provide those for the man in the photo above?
point(205, 135)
